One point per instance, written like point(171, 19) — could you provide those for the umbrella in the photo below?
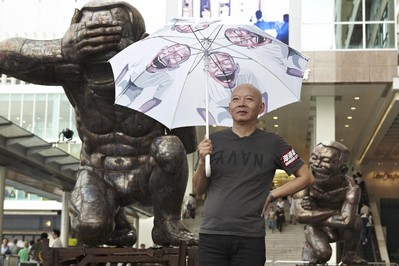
point(183, 74)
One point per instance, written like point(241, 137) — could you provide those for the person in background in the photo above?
point(280, 218)
point(23, 253)
point(243, 163)
point(305, 253)
point(260, 23)
point(292, 201)
point(57, 243)
point(14, 246)
point(283, 33)
point(280, 203)
point(271, 218)
point(36, 249)
point(5, 249)
point(192, 202)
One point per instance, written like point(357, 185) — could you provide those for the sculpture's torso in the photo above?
point(114, 138)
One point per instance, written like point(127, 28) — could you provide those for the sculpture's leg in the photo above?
point(319, 244)
point(124, 235)
point(92, 209)
point(351, 237)
point(167, 185)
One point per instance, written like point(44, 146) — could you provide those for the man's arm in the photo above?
point(303, 178)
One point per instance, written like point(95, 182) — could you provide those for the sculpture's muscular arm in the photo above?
point(307, 211)
point(30, 60)
point(44, 61)
point(347, 216)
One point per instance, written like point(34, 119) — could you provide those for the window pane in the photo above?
point(349, 36)
point(27, 112)
point(64, 118)
point(4, 105)
point(15, 108)
point(380, 35)
point(40, 115)
point(350, 10)
point(52, 114)
point(377, 10)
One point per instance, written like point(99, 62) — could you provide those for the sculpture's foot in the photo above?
point(122, 238)
point(351, 258)
point(171, 232)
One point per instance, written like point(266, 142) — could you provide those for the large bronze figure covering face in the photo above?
point(126, 157)
point(329, 206)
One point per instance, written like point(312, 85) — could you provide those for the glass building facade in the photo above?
point(349, 24)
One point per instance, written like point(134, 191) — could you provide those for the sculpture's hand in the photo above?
point(85, 39)
point(308, 203)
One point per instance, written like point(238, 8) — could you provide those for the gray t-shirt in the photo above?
point(242, 171)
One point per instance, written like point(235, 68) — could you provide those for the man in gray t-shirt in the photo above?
point(243, 162)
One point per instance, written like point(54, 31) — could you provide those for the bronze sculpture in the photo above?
point(329, 207)
point(126, 157)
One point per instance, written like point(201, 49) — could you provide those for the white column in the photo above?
point(2, 188)
point(65, 218)
point(325, 130)
point(295, 24)
point(325, 119)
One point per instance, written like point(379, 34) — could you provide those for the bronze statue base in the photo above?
point(82, 256)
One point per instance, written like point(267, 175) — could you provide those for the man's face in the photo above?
point(243, 37)
point(325, 163)
point(169, 58)
point(223, 69)
point(245, 104)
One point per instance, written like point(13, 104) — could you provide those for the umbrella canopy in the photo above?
point(183, 74)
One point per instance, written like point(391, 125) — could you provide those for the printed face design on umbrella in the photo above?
point(189, 28)
point(223, 69)
point(169, 58)
point(246, 38)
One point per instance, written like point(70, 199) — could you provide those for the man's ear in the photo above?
point(261, 108)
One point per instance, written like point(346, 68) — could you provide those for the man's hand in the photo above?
point(85, 39)
point(205, 148)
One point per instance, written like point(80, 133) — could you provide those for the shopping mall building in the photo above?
point(350, 94)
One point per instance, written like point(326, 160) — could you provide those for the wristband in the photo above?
point(272, 199)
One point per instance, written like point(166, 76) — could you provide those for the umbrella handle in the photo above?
point(208, 165)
